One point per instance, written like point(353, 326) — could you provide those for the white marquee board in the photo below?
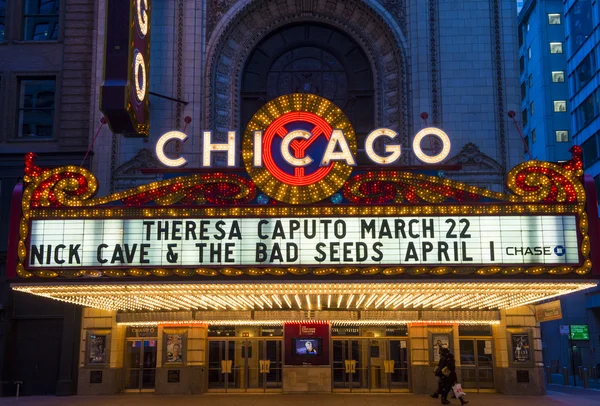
point(308, 241)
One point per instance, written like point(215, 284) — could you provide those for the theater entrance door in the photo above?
point(370, 365)
point(245, 365)
point(140, 365)
point(477, 363)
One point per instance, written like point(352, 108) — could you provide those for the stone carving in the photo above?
point(144, 159)
point(473, 160)
point(216, 9)
point(396, 8)
point(229, 50)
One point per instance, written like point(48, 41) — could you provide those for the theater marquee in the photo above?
point(302, 206)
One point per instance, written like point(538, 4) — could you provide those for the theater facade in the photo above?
point(303, 271)
point(269, 208)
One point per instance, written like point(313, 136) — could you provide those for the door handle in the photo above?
point(388, 366)
point(348, 367)
point(266, 366)
point(353, 366)
point(226, 366)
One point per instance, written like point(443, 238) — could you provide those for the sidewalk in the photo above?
point(554, 398)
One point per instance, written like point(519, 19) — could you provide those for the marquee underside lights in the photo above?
point(306, 296)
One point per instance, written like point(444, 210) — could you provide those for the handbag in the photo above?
point(446, 371)
point(458, 391)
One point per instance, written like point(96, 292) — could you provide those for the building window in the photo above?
point(530, 81)
point(520, 36)
point(529, 52)
point(524, 117)
point(556, 47)
point(531, 108)
point(528, 27)
point(2, 18)
point(522, 64)
point(533, 136)
point(523, 90)
point(583, 72)
point(526, 146)
point(558, 76)
point(597, 183)
point(562, 136)
point(590, 150)
point(40, 20)
point(36, 108)
point(554, 19)
point(560, 106)
point(581, 22)
point(586, 111)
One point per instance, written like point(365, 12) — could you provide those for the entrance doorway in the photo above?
point(245, 365)
point(370, 364)
point(140, 365)
point(477, 363)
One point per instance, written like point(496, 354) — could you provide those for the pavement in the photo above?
point(557, 396)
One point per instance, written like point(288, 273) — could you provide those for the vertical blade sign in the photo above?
point(124, 93)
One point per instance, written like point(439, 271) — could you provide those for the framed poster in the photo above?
point(174, 348)
point(521, 348)
point(439, 338)
point(97, 348)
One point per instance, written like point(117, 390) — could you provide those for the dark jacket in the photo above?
point(447, 360)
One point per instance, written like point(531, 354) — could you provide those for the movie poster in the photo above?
point(97, 349)
point(521, 349)
point(175, 348)
point(439, 340)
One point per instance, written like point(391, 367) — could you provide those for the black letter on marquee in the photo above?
point(322, 255)
point(73, 252)
point(427, 247)
point(411, 252)
point(376, 247)
point(367, 228)
point(99, 253)
point(148, 224)
point(261, 252)
point(260, 233)
point(143, 253)
point(37, 254)
point(58, 247)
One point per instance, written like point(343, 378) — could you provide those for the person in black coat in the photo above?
point(448, 380)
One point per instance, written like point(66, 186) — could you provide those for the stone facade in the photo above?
point(455, 61)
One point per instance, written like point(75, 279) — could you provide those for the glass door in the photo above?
point(140, 364)
point(248, 365)
point(476, 363)
point(271, 364)
point(219, 353)
point(350, 369)
point(398, 364)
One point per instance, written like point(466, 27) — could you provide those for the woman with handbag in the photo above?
point(449, 380)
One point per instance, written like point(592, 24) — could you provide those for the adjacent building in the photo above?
point(559, 90)
point(544, 90)
point(45, 93)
